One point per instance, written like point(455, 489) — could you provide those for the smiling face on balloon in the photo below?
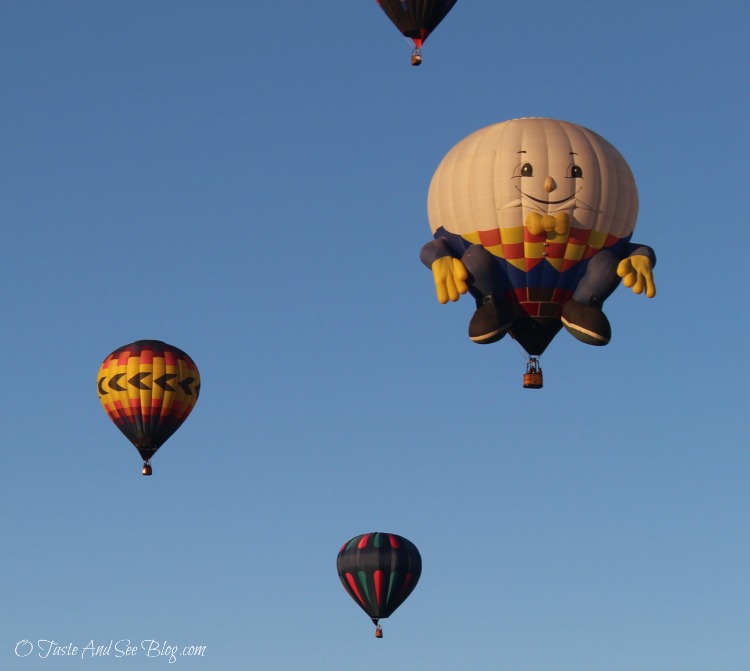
point(543, 174)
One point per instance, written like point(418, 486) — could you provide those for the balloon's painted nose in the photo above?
point(549, 184)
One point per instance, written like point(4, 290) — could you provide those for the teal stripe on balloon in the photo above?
point(391, 582)
point(363, 583)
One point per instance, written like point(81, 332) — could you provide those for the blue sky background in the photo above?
point(248, 182)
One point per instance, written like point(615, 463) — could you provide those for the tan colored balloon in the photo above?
point(514, 173)
point(533, 218)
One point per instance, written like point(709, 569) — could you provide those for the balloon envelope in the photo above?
point(416, 19)
point(544, 197)
point(148, 389)
point(379, 571)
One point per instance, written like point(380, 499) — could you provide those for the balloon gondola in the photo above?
point(148, 389)
point(532, 378)
point(379, 571)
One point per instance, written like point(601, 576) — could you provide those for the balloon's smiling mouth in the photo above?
point(570, 201)
point(547, 202)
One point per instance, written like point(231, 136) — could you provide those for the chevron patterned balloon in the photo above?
point(148, 389)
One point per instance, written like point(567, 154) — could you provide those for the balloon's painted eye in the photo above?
point(527, 170)
point(575, 171)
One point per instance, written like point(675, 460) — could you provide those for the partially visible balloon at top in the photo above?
point(416, 19)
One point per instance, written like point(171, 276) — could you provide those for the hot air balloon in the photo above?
point(416, 19)
point(379, 571)
point(534, 218)
point(148, 389)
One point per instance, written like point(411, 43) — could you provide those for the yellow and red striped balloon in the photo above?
point(148, 389)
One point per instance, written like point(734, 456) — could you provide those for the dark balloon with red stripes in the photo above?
point(416, 19)
point(379, 571)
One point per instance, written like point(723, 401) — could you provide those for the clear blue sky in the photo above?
point(248, 181)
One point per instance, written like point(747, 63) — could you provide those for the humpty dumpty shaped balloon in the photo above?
point(533, 218)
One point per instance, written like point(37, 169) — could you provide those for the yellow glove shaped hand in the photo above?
point(636, 273)
point(450, 277)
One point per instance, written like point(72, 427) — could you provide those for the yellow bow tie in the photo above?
point(546, 223)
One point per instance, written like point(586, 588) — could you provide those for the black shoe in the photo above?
point(488, 324)
point(587, 323)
